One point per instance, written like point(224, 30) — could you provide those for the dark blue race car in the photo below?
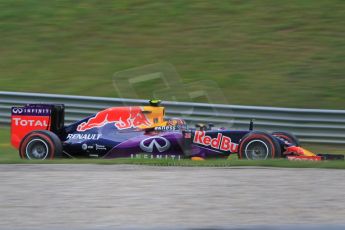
point(38, 132)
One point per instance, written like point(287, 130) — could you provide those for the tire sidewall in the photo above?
point(274, 150)
point(50, 139)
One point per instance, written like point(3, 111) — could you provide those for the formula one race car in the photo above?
point(38, 132)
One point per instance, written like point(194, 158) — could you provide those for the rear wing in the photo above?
point(25, 119)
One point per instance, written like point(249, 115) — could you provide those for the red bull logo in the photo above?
point(122, 117)
point(221, 142)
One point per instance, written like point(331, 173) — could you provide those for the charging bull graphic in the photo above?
point(122, 117)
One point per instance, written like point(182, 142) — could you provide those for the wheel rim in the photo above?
point(256, 150)
point(37, 149)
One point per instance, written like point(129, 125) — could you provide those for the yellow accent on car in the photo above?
point(197, 159)
point(155, 114)
point(308, 153)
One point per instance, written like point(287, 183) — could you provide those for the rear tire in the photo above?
point(40, 145)
point(259, 146)
point(287, 137)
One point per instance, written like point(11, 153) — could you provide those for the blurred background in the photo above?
point(268, 53)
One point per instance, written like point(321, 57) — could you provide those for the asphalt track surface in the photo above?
point(145, 197)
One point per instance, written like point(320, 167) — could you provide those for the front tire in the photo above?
point(287, 137)
point(259, 146)
point(40, 145)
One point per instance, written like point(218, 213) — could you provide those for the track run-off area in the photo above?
point(130, 196)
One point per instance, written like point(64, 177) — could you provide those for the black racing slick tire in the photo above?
point(287, 137)
point(40, 145)
point(259, 146)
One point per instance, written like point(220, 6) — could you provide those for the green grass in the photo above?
point(286, 53)
point(188, 163)
point(8, 155)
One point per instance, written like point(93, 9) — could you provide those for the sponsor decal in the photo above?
point(17, 110)
point(122, 117)
point(160, 143)
point(31, 123)
point(304, 158)
point(86, 147)
point(170, 127)
point(31, 111)
point(97, 147)
point(166, 128)
point(79, 136)
point(100, 147)
point(152, 156)
point(221, 142)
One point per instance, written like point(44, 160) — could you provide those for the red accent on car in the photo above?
point(21, 125)
point(187, 135)
point(304, 158)
point(294, 150)
point(221, 142)
point(122, 117)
